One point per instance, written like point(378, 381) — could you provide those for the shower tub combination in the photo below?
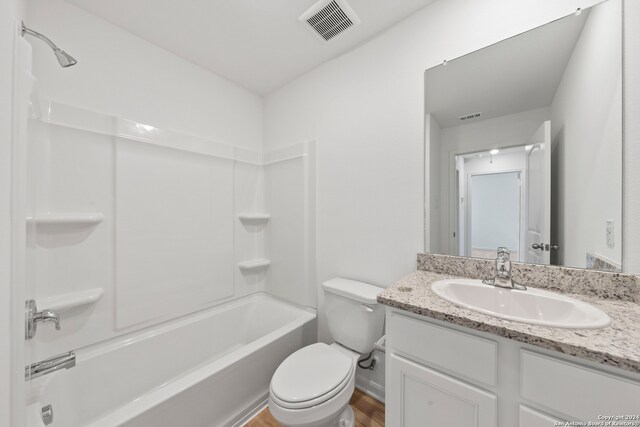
point(212, 368)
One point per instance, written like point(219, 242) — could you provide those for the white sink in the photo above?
point(533, 306)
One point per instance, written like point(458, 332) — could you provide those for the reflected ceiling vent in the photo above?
point(470, 116)
point(328, 18)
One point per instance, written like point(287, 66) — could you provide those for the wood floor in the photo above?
point(369, 413)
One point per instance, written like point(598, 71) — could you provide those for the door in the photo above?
point(418, 396)
point(493, 214)
point(538, 204)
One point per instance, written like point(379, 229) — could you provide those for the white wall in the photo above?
point(365, 109)
point(11, 354)
point(290, 233)
point(8, 15)
point(122, 75)
point(631, 133)
point(586, 126)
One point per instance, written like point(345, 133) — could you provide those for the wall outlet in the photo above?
point(610, 229)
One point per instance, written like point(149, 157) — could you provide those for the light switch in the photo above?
point(610, 230)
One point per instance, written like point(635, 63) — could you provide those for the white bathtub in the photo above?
point(209, 369)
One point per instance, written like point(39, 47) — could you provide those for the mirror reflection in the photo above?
point(524, 146)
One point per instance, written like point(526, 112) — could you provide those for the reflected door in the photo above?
point(538, 218)
point(494, 214)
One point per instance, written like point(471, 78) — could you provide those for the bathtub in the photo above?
point(212, 368)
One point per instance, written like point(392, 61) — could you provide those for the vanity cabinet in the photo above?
point(440, 374)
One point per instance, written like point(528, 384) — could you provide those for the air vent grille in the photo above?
point(470, 116)
point(328, 19)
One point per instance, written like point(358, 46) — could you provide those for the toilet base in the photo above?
point(347, 418)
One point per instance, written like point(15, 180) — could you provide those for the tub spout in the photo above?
point(56, 363)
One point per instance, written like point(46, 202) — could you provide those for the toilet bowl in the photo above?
point(313, 386)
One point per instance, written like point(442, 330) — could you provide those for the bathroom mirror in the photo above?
point(524, 145)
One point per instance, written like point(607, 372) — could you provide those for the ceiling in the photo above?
point(257, 44)
point(518, 74)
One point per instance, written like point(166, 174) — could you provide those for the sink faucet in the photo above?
point(503, 277)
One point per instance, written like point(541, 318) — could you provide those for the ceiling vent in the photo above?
point(328, 18)
point(470, 116)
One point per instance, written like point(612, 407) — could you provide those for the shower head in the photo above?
point(64, 59)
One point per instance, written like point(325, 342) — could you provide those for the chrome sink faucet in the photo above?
point(503, 277)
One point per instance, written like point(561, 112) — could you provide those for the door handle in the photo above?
point(545, 246)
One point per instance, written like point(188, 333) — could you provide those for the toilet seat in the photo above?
point(311, 376)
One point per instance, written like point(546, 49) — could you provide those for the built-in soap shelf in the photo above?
point(254, 217)
point(254, 264)
point(63, 302)
point(66, 218)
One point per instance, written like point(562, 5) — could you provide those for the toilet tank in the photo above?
point(355, 318)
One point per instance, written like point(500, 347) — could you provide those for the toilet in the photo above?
point(313, 386)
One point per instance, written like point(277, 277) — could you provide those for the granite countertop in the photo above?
point(617, 345)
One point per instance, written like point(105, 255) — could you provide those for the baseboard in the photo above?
point(370, 388)
point(252, 412)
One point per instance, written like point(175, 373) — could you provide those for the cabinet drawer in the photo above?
point(531, 418)
point(464, 354)
point(577, 391)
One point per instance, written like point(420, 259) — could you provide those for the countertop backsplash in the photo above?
point(601, 284)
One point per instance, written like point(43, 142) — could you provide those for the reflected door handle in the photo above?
point(545, 246)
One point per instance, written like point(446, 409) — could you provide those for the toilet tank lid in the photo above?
point(352, 289)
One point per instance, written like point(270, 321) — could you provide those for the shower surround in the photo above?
point(145, 239)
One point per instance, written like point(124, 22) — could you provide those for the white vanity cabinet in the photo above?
point(440, 374)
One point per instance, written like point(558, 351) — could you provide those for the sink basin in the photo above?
point(533, 306)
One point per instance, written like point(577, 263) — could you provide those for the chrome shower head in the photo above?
point(64, 59)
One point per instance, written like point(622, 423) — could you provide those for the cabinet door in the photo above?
point(421, 397)
point(532, 418)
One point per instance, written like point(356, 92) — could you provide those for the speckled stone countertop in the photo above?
point(617, 345)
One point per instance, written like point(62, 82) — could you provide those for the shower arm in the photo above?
point(64, 59)
point(42, 37)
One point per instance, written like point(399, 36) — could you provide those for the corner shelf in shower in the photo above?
point(254, 264)
point(254, 217)
point(64, 302)
point(67, 218)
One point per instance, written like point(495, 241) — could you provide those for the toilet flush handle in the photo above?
point(366, 308)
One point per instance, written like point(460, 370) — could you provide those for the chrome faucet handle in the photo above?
point(33, 317)
point(503, 277)
point(48, 316)
point(502, 251)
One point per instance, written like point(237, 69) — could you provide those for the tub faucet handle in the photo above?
point(48, 316)
point(33, 317)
